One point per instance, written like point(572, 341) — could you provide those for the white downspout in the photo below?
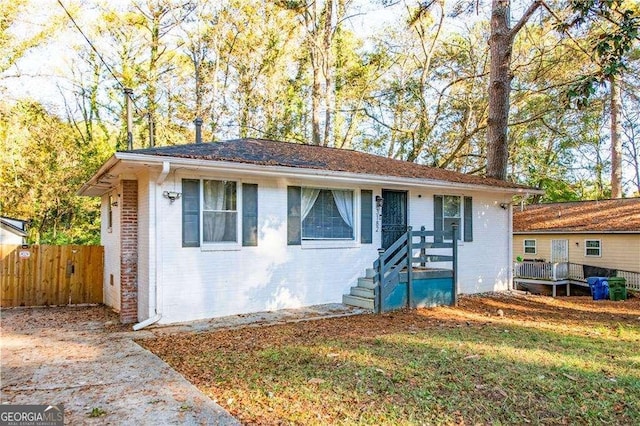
point(166, 167)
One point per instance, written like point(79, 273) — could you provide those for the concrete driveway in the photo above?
point(82, 358)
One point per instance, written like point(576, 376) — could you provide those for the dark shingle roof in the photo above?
point(276, 153)
point(619, 215)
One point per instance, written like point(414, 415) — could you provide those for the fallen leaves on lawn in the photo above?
point(432, 366)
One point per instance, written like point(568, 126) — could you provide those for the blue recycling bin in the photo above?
point(599, 287)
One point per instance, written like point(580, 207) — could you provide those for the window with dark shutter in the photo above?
point(293, 216)
point(468, 219)
point(366, 216)
point(249, 214)
point(190, 213)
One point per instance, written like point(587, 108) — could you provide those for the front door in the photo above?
point(559, 251)
point(394, 216)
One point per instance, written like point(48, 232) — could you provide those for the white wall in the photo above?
point(9, 238)
point(197, 283)
point(483, 264)
point(110, 239)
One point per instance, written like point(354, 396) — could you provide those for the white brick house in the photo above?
point(214, 229)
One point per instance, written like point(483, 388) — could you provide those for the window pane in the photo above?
point(593, 243)
point(331, 216)
point(451, 206)
point(219, 227)
point(219, 195)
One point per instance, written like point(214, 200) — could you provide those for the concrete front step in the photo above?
point(362, 292)
point(361, 302)
point(369, 273)
point(366, 283)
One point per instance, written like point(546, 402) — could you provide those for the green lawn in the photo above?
point(546, 361)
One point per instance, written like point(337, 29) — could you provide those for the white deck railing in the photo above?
point(563, 271)
point(541, 270)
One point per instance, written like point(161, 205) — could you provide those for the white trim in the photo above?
point(599, 248)
point(524, 246)
point(546, 231)
point(221, 245)
point(280, 171)
point(329, 244)
point(510, 271)
point(336, 242)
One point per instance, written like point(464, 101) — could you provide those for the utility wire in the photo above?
point(97, 53)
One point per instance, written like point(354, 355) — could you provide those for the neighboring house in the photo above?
point(213, 229)
point(12, 231)
point(603, 234)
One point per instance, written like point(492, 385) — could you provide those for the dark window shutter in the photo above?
point(249, 214)
point(366, 216)
point(190, 213)
point(437, 218)
point(468, 219)
point(294, 194)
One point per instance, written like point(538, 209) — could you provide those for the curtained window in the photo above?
point(327, 214)
point(219, 211)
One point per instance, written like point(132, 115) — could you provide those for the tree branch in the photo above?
point(525, 18)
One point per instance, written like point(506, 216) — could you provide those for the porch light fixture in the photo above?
point(171, 195)
point(504, 206)
point(379, 201)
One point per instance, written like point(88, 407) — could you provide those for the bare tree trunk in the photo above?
point(328, 70)
point(500, 45)
point(616, 140)
point(313, 39)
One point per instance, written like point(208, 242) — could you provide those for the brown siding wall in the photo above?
point(618, 251)
point(129, 253)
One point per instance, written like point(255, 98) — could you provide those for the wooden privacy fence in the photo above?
point(50, 275)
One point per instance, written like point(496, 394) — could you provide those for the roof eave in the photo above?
point(93, 187)
point(564, 231)
point(13, 229)
point(267, 170)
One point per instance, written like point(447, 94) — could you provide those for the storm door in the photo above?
point(559, 251)
point(394, 216)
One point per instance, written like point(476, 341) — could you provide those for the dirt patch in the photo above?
point(60, 318)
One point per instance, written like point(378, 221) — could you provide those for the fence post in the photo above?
point(409, 266)
point(455, 264)
point(378, 289)
point(423, 250)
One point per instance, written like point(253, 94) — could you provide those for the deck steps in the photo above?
point(366, 283)
point(360, 302)
point(362, 292)
point(362, 295)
